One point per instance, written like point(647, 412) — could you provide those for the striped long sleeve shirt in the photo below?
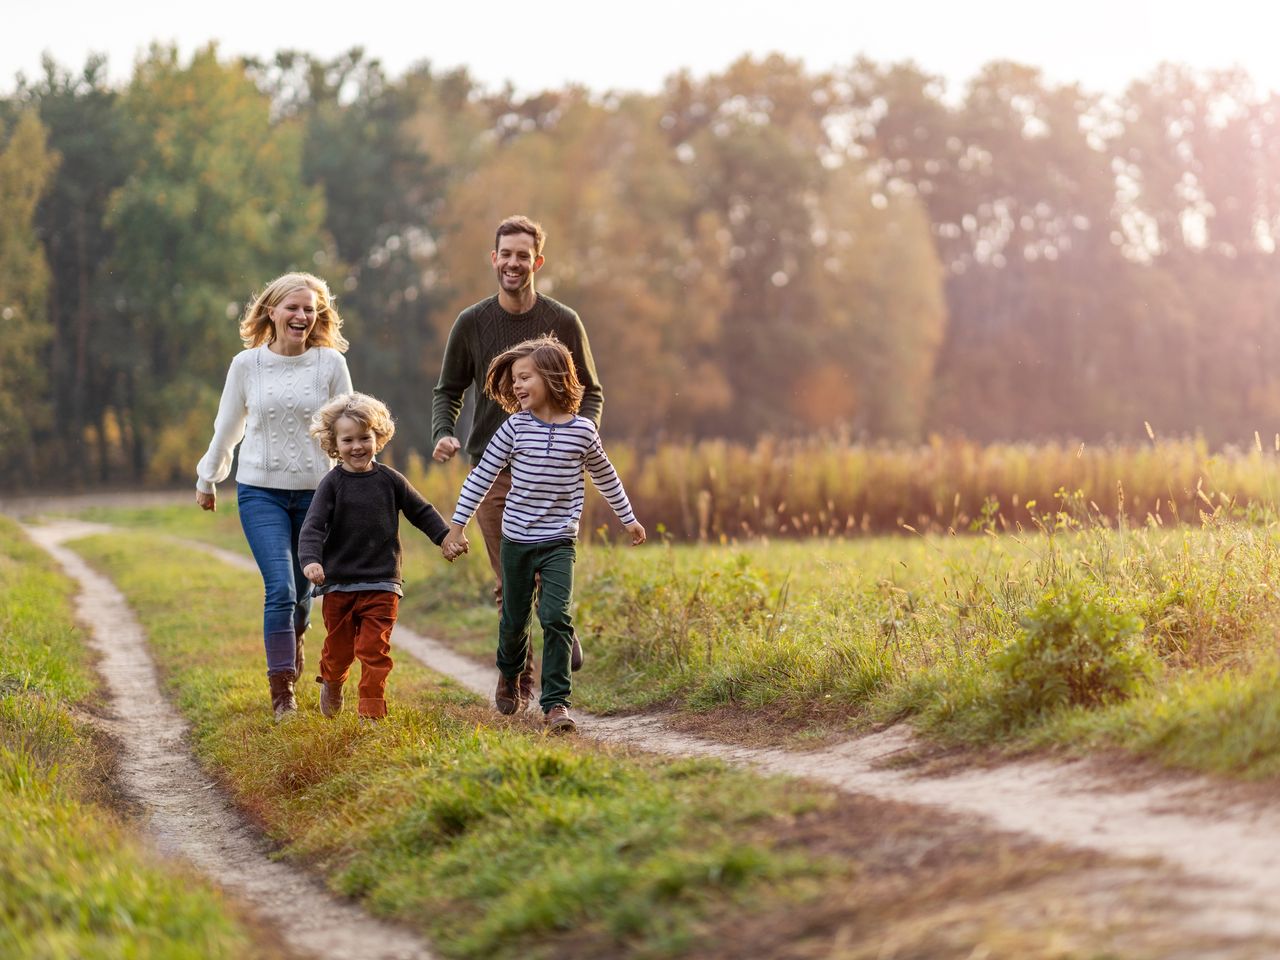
point(548, 483)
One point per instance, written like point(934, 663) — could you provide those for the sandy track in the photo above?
point(185, 813)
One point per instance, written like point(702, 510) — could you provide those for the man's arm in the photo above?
point(592, 393)
point(457, 371)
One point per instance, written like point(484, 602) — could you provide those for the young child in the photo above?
point(547, 446)
point(350, 548)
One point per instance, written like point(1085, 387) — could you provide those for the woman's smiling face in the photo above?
point(294, 317)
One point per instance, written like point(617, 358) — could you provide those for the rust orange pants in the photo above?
point(359, 625)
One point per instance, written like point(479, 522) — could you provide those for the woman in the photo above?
point(291, 366)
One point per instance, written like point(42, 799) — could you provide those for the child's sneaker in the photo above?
point(559, 721)
point(330, 696)
point(575, 653)
point(507, 697)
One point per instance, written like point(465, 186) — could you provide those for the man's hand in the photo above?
point(637, 533)
point(207, 501)
point(445, 449)
point(314, 572)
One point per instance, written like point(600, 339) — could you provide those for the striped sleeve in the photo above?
point(496, 456)
point(607, 481)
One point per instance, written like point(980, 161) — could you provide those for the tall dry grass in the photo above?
point(719, 491)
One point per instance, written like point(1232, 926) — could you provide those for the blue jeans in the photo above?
point(272, 520)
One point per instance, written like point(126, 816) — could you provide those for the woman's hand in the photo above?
point(637, 533)
point(207, 501)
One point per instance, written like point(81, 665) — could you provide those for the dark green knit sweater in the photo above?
point(481, 332)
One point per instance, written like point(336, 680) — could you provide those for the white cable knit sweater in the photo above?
point(268, 401)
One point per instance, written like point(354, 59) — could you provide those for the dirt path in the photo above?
point(1226, 849)
point(186, 814)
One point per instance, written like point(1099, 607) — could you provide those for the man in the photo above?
point(517, 312)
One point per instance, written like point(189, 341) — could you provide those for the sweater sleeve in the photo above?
point(315, 527)
point(418, 511)
point(496, 456)
point(607, 481)
point(592, 393)
point(228, 429)
point(340, 377)
point(457, 370)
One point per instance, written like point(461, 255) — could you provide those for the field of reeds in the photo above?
point(718, 491)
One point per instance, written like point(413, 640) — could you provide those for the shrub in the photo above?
point(1074, 649)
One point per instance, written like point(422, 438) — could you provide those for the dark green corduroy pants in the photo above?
point(553, 561)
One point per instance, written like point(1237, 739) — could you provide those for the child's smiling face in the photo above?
point(356, 444)
point(529, 387)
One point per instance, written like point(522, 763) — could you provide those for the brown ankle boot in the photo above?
point(282, 699)
point(330, 696)
point(507, 696)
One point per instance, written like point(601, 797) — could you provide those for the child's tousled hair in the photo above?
point(554, 364)
point(256, 327)
point(360, 407)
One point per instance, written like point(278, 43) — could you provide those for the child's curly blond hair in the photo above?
point(360, 407)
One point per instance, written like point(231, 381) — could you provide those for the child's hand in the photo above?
point(314, 572)
point(637, 533)
point(454, 544)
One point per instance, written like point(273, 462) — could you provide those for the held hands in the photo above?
point(637, 533)
point(207, 501)
point(455, 544)
point(314, 572)
point(445, 449)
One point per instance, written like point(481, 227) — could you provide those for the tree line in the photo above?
point(767, 251)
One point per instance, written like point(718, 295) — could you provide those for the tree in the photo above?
point(214, 206)
point(84, 125)
point(26, 166)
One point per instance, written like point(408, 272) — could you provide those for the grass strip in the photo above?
point(73, 881)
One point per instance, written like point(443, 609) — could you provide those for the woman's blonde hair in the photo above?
point(554, 364)
point(360, 407)
point(256, 327)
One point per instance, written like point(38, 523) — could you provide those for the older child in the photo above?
point(350, 548)
point(547, 446)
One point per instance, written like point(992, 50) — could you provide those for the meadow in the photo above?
point(1079, 633)
point(497, 840)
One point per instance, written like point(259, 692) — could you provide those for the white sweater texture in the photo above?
point(267, 402)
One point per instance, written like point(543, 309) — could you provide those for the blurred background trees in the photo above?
point(766, 251)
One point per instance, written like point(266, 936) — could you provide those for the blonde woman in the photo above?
point(290, 367)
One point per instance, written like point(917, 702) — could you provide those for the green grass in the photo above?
point(492, 837)
point(73, 882)
point(978, 640)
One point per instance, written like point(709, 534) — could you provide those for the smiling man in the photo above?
point(517, 312)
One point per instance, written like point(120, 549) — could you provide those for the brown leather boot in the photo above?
point(507, 697)
point(559, 721)
point(330, 696)
point(282, 699)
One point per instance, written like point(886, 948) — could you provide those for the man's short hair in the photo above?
point(521, 224)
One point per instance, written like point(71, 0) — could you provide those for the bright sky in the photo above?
point(603, 45)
